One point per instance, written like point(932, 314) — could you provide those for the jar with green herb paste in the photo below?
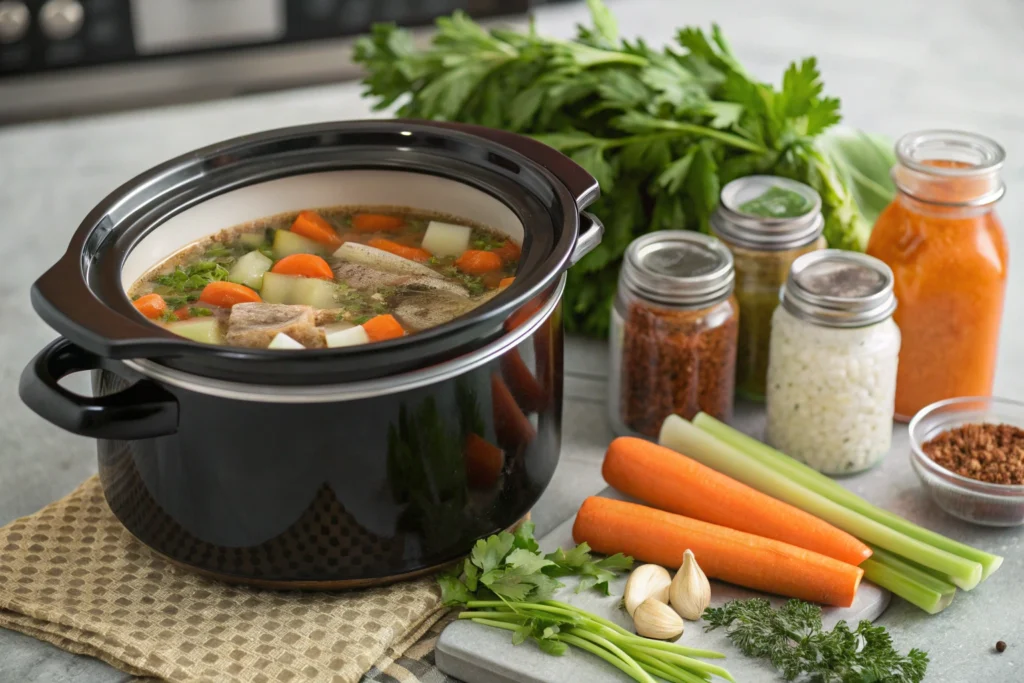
point(673, 332)
point(767, 223)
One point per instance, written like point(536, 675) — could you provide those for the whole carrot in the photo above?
point(615, 526)
point(670, 481)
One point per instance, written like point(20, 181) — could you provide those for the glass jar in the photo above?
point(948, 253)
point(673, 332)
point(832, 363)
point(763, 249)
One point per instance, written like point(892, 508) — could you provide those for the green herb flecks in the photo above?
point(793, 639)
point(192, 277)
point(662, 130)
point(168, 316)
point(359, 305)
point(473, 284)
point(197, 312)
point(222, 253)
point(486, 241)
point(777, 202)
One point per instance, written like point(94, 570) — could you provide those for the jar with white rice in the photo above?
point(832, 362)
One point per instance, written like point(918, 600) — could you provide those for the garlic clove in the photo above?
point(657, 620)
point(690, 592)
point(646, 581)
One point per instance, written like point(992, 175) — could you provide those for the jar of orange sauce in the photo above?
point(948, 254)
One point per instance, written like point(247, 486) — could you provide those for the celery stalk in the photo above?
point(910, 583)
point(825, 486)
point(680, 435)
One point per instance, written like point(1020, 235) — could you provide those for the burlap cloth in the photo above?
point(71, 575)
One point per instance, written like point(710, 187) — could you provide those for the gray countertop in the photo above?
point(898, 65)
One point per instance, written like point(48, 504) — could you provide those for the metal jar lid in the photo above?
point(839, 289)
point(758, 232)
point(678, 268)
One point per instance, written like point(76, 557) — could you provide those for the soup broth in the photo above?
point(332, 277)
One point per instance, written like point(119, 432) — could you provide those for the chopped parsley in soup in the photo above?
point(327, 278)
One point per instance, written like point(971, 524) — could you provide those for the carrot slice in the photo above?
point(509, 251)
point(615, 526)
point(528, 392)
point(312, 225)
point(304, 265)
point(506, 281)
point(476, 262)
point(513, 428)
point(377, 222)
point(182, 313)
point(411, 253)
point(383, 327)
point(670, 481)
point(152, 305)
point(227, 294)
point(484, 462)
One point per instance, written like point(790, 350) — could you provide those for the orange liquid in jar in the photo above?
point(950, 266)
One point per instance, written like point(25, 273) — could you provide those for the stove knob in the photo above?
point(14, 21)
point(61, 19)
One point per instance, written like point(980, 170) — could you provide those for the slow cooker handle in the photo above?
point(581, 185)
point(141, 411)
point(591, 232)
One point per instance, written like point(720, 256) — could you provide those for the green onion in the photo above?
point(638, 657)
point(680, 435)
point(823, 485)
point(907, 581)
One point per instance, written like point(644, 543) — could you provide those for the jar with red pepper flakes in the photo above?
point(673, 332)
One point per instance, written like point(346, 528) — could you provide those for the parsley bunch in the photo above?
point(793, 639)
point(661, 130)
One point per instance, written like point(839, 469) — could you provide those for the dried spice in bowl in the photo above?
point(673, 332)
point(987, 452)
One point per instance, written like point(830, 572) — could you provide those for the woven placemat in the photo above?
point(71, 575)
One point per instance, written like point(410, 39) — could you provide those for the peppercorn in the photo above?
point(1000, 646)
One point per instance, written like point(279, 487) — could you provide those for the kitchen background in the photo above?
point(897, 65)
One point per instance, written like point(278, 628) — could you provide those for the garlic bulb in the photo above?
point(646, 581)
point(690, 592)
point(654, 619)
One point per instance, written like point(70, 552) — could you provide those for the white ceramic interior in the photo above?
point(319, 190)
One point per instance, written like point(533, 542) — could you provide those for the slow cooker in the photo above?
point(328, 468)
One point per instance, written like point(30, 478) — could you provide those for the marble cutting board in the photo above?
point(478, 654)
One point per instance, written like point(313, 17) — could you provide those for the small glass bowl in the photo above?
point(975, 501)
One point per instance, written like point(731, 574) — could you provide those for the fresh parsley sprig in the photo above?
point(793, 639)
point(510, 567)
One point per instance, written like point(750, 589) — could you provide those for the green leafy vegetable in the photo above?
point(661, 130)
point(510, 566)
point(793, 639)
point(506, 583)
point(864, 162)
